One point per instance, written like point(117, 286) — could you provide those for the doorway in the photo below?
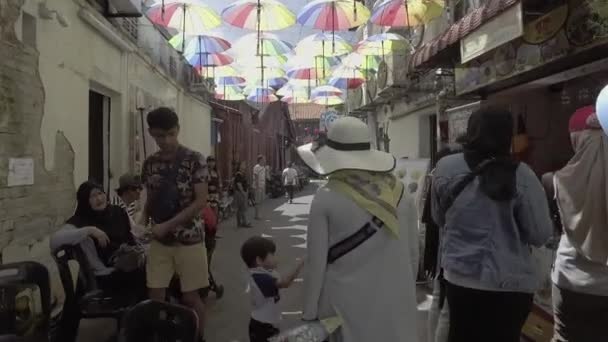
point(99, 139)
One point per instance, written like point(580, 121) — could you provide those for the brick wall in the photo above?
point(28, 214)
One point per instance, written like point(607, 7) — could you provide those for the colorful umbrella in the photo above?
point(262, 95)
point(229, 93)
point(277, 82)
point(295, 99)
point(261, 15)
point(328, 100)
point(199, 60)
point(383, 44)
point(191, 18)
point(346, 78)
point(254, 74)
point(257, 61)
point(333, 15)
point(325, 91)
point(199, 44)
point(310, 67)
point(230, 80)
point(270, 45)
point(319, 44)
point(361, 62)
point(406, 13)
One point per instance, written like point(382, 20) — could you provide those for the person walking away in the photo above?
point(214, 185)
point(290, 180)
point(175, 178)
point(241, 196)
point(361, 251)
point(258, 254)
point(128, 197)
point(260, 176)
point(492, 209)
point(580, 275)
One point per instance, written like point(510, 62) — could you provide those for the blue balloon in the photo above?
point(601, 109)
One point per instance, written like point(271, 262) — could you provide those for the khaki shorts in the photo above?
point(189, 262)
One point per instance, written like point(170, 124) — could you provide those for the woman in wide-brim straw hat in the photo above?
point(361, 252)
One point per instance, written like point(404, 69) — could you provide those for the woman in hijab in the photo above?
point(361, 253)
point(580, 275)
point(95, 214)
point(492, 209)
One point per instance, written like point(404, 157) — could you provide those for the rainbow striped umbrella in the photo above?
point(221, 71)
point(383, 44)
point(200, 60)
point(406, 13)
point(229, 93)
point(333, 15)
point(191, 18)
point(277, 82)
point(257, 61)
point(361, 62)
point(199, 44)
point(310, 67)
point(346, 78)
point(262, 95)
point(325, 91)
point(259, 15)
point(230, 80)
point(270, 45)
point(292, 93)
point(328, 101)
point(319, 44)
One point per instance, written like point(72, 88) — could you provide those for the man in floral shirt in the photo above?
point(175, 179)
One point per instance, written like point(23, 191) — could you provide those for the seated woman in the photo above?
point(110, 228)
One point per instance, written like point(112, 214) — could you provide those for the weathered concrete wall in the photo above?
point(28, 214)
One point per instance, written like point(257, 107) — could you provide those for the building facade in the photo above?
point(68, 113)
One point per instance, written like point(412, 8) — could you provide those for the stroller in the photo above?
point(211, 221)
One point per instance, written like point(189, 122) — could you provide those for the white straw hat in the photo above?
point(347, 147)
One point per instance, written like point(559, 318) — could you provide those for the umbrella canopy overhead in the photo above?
point(199, 44)
point(346, 78)
point(361, 62)
point(188, 17)
point(201, 60)
point(262, 95)
point(326, 91)
point(333, 15)
point(406, 13)
point(270, 45)
point(262, 15)
point(383, 44)
point(328, 100)
point(320, 44)
point(229, 93)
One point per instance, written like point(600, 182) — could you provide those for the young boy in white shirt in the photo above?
point(258, 253)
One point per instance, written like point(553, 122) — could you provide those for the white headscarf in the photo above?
point(582, 191)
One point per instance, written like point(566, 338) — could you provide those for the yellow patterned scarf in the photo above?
point(377, 193)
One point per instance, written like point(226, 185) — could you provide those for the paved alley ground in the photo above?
point(228, 317)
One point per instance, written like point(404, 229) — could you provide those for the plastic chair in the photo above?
point(158, 321)
point(86, 300)
point(14, 278)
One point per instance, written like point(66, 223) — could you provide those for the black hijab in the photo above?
point(489, 139)
point(113, 220)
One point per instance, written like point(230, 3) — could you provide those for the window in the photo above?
point(131, 27)
point(99, 144)
point(28, 30)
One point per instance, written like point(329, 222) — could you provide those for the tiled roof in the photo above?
point(305, 111)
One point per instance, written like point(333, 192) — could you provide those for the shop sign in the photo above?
point(586, 26)
point(498, 31)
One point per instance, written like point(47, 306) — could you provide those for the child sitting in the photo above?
point(258, 254)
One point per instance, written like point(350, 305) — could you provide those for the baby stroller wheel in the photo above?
point(219, 291)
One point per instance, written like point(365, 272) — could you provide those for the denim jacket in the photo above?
point(487, 244)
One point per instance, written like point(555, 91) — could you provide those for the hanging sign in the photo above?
point(498, 31)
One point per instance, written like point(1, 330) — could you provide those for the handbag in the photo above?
point(128, 258)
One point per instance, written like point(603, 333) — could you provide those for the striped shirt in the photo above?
point(130, 209)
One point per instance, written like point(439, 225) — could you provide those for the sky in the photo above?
point(291, 35)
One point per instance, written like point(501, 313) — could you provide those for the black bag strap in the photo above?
point(460, 186)
point(355, 240)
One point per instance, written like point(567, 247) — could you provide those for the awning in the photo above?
point(427, 53)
